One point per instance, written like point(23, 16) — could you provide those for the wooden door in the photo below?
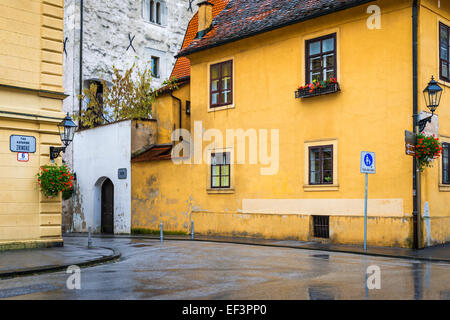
point(108, 207)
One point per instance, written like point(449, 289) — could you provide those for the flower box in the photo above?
point(317, 90)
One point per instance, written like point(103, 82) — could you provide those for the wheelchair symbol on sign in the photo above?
point(368, 160)
point(22, 156)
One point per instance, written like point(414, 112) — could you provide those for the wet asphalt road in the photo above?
point(199, 270)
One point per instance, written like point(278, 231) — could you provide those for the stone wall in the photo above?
point(107, 27)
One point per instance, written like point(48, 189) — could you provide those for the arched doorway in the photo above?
point(107, 207)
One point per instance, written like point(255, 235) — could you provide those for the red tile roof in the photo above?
point(245, 18)
point(182, 66)
point(153, 153)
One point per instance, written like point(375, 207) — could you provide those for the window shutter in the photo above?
point(146, 9)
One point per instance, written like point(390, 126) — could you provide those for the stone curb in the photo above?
point(256, 243)
point(55, 268)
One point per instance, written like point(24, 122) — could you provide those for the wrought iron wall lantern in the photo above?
point(432, 94)
point(66, 130)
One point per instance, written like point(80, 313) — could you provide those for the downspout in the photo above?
point(81, 54)
point(180, 139)
point(416, 173)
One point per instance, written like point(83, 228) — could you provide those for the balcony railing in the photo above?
point(306, 92)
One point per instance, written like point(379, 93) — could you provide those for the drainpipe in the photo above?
point(81, 53)
point(416, 173)
point(180, 137)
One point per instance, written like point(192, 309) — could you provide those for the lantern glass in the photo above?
point(432, 94)
point(67, 130)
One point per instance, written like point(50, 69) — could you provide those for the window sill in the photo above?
point(229, 106)
point(154, 23)
point(320, 240)
point(444, 187)
point(220, 191)
point(444, 83)
point(320, 187)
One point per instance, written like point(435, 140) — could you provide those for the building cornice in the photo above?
point(43, 93)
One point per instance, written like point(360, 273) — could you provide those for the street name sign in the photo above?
point(122, 173)
point(368, 162)
point(22, 144)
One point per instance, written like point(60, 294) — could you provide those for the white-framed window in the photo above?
point(321, 165)
point(220, 171)
point(444, 164)
point(157, 62)
point(155, 11)
point(154, 65)
point(221, 84)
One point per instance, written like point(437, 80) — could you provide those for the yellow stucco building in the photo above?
point(300, 177)
point(31, 94)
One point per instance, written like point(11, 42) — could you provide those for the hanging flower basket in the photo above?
point(54, 179)
point(317, 88)
point(428, 148)
point(67, 194)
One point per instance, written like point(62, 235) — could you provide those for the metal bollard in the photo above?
point(161, 232)
point(192, 230)
point(89, 238)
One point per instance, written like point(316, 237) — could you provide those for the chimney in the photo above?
point(204, 18)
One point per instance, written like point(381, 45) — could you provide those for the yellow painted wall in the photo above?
point(31, 94)
point(343, 229)
point(371, 113)
point(159, 188)
point(167, 111)
point(433, 192)
point(159, 192)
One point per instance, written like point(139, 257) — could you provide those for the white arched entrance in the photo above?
point(104, 206)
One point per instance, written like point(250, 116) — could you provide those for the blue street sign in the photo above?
point(368, 162)
point(367, 167)
point(22, 144)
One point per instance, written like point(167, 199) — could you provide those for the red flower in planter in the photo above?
point(428, 148)
point(54, 179)
point(318, 84)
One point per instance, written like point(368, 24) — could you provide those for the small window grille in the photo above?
point(321, 225)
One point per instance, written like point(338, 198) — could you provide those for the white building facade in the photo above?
point(102, 165)
point(120, 33)
point(95, 164)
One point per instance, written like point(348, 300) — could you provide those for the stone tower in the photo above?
point(118, 33)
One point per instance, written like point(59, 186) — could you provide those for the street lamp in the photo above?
point(66, 130)
point(432, 94)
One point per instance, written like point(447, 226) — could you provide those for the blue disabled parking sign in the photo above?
point(368, 162)
point(367, 167)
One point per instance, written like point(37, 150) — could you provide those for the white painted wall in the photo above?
point(98, 154)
